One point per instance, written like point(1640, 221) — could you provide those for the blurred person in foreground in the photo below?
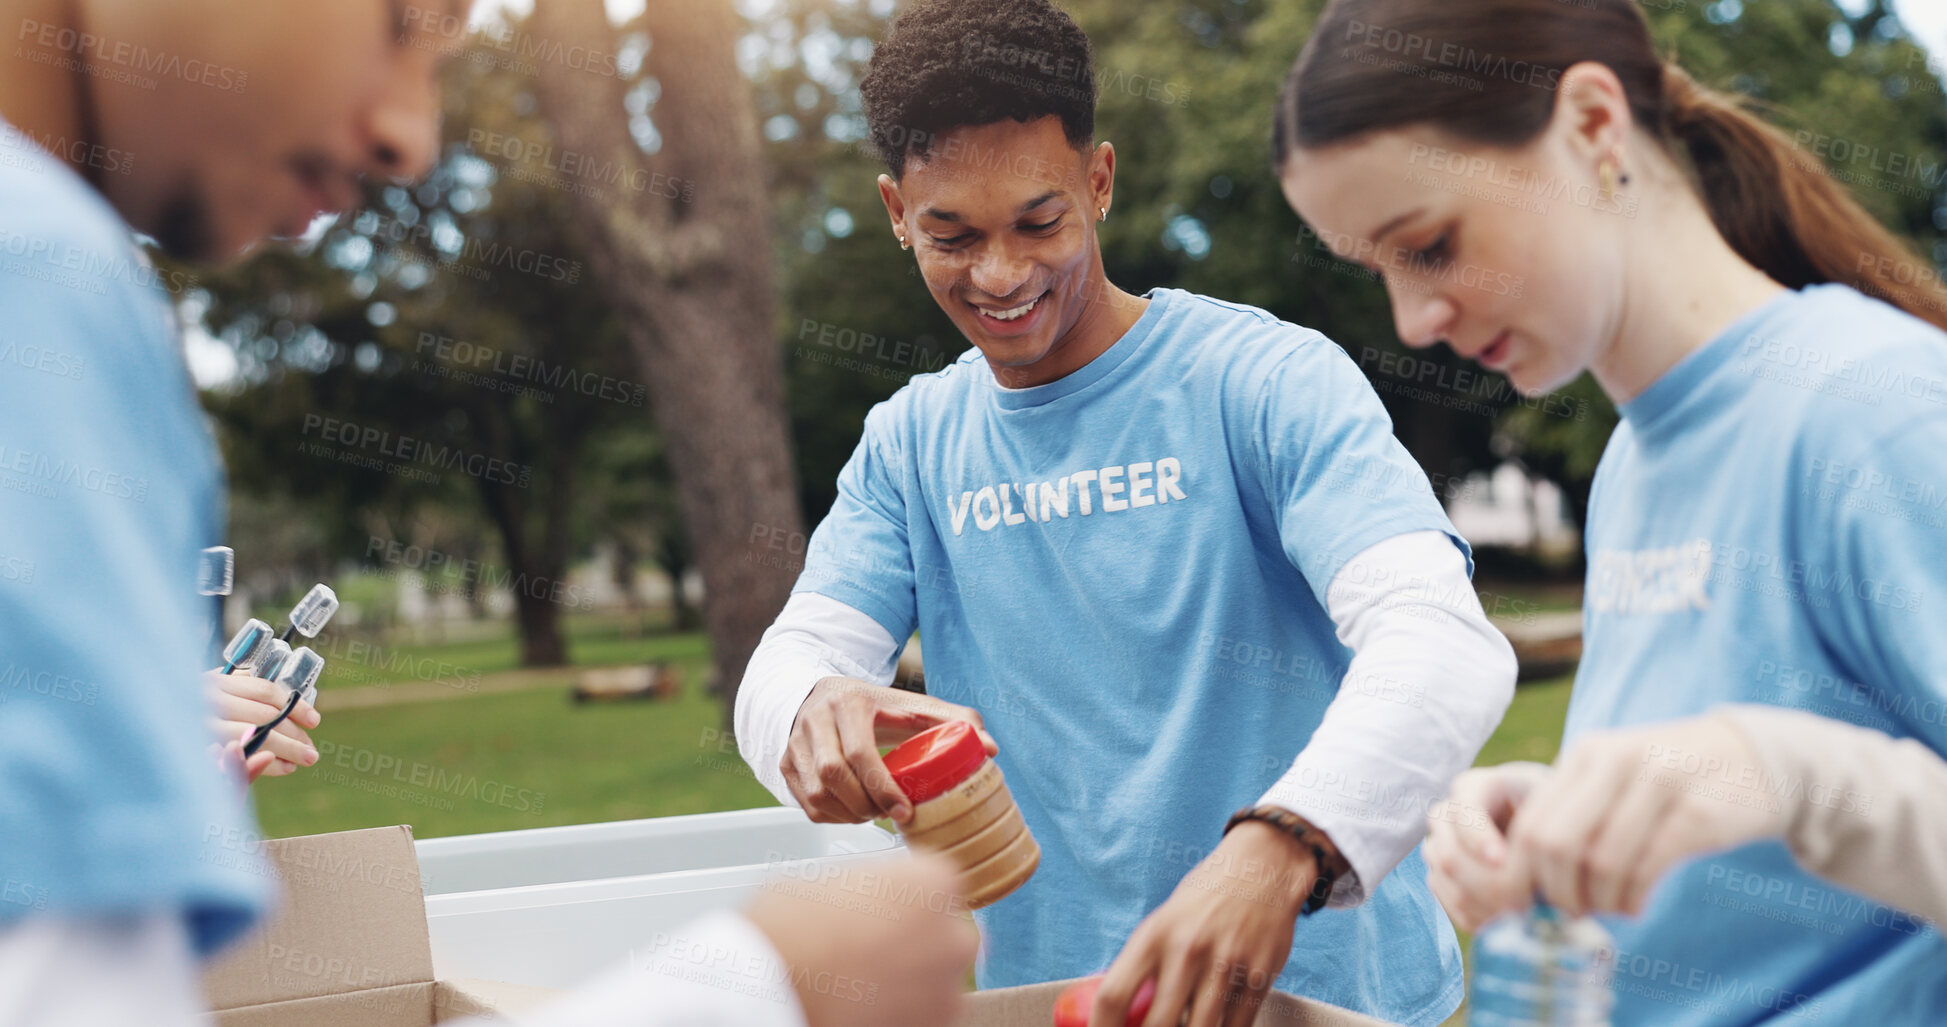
point(209, 125)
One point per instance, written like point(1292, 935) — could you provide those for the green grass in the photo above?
point(498, 762)
point(509, 761)
point(1532, 729)
point(479, 650)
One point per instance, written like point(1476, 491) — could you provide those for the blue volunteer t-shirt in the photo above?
point(1124, 571)
point(110, 804)
point(1769, 525)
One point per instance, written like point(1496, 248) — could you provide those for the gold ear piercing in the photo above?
point(1611, 172)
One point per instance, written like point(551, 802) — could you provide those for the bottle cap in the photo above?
point(271, 661)
point(311, 612)
point(932, 762)
point(300, 673)
point(247, 644)
point(216, 571)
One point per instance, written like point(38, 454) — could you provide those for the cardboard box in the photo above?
point(1034, 1006)
point(348, 946)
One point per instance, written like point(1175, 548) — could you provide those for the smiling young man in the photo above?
point(1167, 553)
point(209, 125)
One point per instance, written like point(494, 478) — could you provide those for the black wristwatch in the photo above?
point(1326, 858)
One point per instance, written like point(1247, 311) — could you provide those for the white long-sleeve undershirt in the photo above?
point(1429, 679)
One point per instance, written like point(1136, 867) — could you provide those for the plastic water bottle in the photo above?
point(1541, 969)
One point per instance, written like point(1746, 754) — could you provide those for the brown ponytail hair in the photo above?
point(1487, 70)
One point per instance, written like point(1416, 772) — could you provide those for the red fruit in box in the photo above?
point(1077, 1000)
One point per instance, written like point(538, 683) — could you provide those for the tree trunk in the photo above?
point(536, 568)
point(623, 577)
point(539, 619)
point(675, 559)
point(686, 260)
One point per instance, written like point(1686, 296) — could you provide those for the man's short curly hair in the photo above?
point(949, 64)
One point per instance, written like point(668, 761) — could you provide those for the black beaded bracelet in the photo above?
point(1308, 836)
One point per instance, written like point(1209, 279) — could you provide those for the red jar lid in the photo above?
point(932, 762)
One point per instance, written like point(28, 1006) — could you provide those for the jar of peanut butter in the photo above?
point(963, 810)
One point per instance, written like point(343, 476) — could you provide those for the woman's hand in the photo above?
point(1467, 847)
point(1596, 832)
point(1623, 807)
point(242, 703)
point(230, 758)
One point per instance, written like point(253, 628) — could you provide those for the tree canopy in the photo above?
point(463, 315)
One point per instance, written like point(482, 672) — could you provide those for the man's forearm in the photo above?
point(1430, 678)
point(815, 637)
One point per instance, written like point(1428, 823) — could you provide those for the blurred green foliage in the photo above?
point(1187, 88)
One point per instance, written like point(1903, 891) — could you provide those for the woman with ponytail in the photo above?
point(1545, 194)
